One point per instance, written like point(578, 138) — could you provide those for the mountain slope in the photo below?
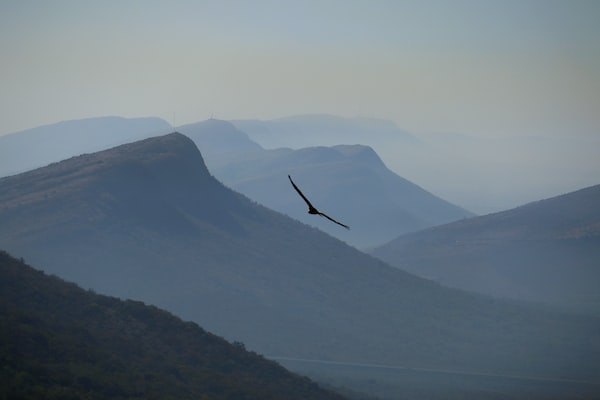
point(546, 251)
point(36, 147)
point(147, 221)
point(59, 341)
point(353, 184)
point(341, 180)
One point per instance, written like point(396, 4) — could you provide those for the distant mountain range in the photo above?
point(546, 251)
point(36, 147)
point(147, 221)
point(349, 181)
point(341, 179)
point(322, 129)
point(478, 172)
point(59, 341)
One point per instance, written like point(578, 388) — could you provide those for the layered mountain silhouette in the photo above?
point(221, 143)
point(59, 341)
point(300, 131)
point(545, 251)
point(351, 179)
point(479, 172)
point(147, 221)
point(397, 205)
point(36, 147)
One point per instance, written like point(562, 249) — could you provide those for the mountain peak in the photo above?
point(170, 148)
point(360, 153)
point(157, 182)
point(171, 141)
point(173, 145)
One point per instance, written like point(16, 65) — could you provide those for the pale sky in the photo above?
point(479, 68)
point(476, 67)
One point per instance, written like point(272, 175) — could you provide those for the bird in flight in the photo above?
point(312, 209)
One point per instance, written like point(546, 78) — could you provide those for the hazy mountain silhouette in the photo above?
point(482, 173)
point(547, 251)
point(36, 147)
point(147, 221)
point(352, 179)
point(321, 129)
point(398, 205)
point(59, 341)
point(221, 143)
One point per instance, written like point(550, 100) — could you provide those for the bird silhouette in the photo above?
point(312, 209)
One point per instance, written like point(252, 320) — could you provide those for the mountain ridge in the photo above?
point(541, 251)
point(144, 227)
point(244, 165)
point(299, 131)
point(341, 178)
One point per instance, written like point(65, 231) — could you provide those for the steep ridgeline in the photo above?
point(546, 251)
point(59, 341)
point(147, 221)
point(36, 147)
point(221, 143)
point(350, 181)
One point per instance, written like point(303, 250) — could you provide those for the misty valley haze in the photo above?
point(147, 221)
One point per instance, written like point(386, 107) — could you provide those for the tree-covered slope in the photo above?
point(59, 341)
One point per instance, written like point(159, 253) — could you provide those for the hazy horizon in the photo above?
point(501, 73)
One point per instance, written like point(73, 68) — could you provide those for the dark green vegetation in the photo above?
point(147, 221)
point(58, 341)
point(546, 251)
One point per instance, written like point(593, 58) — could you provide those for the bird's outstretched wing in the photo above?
point(310, 206)
point(312, 209)
point(333, 220)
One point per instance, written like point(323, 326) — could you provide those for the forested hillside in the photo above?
point(58, 341)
